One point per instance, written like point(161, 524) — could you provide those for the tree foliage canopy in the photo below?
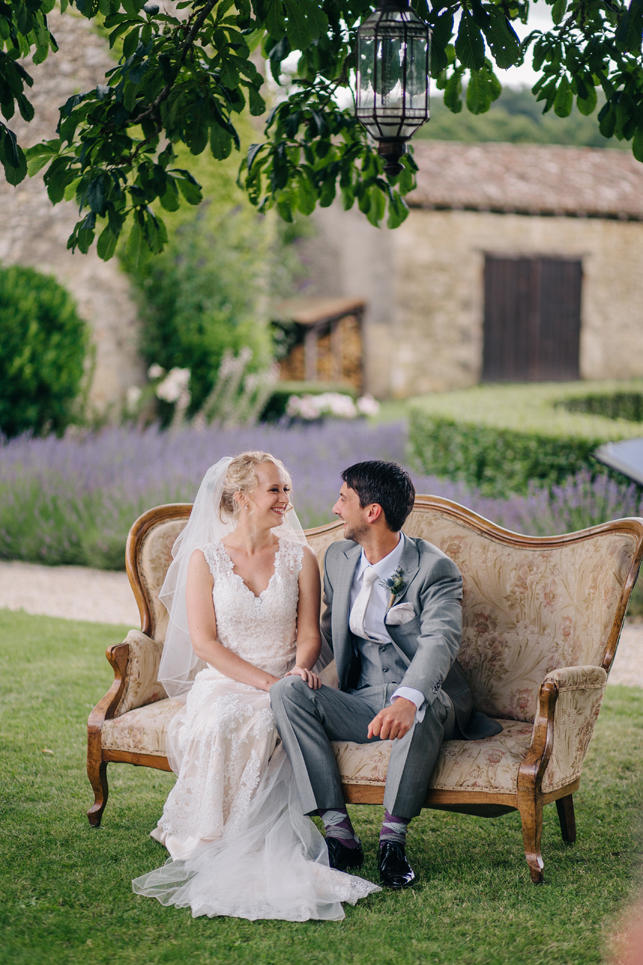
point(183, 79)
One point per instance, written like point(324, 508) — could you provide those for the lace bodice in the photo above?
point(261, 629)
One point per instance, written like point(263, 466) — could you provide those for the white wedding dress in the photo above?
point(239, 845)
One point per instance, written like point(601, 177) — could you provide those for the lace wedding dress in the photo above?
point(238, 844)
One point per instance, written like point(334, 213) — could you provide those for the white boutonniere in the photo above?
point(395, 584)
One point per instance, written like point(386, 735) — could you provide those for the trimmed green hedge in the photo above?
point(502, 437)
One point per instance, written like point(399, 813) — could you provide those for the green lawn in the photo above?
point(65, 894)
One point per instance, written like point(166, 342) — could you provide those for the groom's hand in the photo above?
point(394, 721)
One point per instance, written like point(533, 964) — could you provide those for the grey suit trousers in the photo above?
point(308, 720)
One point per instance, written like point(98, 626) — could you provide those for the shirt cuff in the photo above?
point(416, 697)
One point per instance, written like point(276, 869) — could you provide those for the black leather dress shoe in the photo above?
point(395, 871)
point(341, 857)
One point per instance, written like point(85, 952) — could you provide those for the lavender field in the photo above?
point(73, 500)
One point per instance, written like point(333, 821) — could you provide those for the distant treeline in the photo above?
point(516, 117)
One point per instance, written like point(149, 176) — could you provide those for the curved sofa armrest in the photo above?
point(568, 704)
point(577, 678)
point(140, 677)
point(580, 694)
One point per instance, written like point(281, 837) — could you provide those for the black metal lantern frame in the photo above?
point(393, 60)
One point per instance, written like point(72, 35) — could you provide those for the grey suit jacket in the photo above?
point(428, 644)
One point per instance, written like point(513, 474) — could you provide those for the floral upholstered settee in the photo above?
point(542, 619)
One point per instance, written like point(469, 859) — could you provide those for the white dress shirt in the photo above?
point(377, 608)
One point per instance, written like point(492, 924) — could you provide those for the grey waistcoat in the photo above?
point(381, 665)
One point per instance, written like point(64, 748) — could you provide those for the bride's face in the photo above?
point(268, 503)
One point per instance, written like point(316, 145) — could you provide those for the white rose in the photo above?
point(173, 385)
point(133, 397)
point(367, 405)
point(155, 371)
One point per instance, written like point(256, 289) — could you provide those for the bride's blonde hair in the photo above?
point(241, 477)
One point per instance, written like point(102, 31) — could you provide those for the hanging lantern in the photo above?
point(393, 47)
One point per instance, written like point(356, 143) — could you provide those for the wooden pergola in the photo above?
point(318, 317)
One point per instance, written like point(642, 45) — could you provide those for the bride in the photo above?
point(243, 593)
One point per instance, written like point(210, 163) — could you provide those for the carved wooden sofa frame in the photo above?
point(542, 754)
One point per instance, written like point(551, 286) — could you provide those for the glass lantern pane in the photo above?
point(365, 68)
point(390, 71)
point(417, 79)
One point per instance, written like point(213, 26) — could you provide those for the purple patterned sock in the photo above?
point(394, 828)
point(338, 825)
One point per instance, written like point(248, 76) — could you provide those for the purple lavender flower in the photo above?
point(73, 500)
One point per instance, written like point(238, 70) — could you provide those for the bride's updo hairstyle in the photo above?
point(241, 477)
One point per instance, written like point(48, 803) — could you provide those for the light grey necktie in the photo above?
point(356, 621)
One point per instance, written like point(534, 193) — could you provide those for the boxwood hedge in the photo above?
point(43, 342)
point(502, 437)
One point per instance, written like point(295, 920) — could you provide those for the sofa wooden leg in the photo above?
point(565, 808)
point(531, 815)
point(97, 774)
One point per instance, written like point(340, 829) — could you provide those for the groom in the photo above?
point(393, 619)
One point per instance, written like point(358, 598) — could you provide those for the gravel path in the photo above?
point(77, 593)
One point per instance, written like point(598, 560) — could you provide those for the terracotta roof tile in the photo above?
point(529, 178)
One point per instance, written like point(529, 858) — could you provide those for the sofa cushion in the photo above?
point(141, 731)
point(489, 765)
point(485, 765)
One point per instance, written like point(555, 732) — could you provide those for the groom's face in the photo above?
point(349, 510)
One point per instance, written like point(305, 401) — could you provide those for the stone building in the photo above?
point(33, 232)
point(517, 262)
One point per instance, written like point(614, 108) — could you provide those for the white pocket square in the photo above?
point(397, 615)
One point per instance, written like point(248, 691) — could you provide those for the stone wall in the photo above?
point(425, 286)
point(33, 232)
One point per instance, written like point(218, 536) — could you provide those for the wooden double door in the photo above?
point(532, 316)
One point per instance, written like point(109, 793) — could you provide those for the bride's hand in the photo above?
point(308, 676)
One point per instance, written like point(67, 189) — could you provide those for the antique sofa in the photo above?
point(542, 619)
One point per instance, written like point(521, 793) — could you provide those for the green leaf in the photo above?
point(558, 11)
point(587, 105)
point(452, 91)
point(12, 157)
point(306, 22)
point(106, 245)
point(607, 120)
point(637, 144)
point(377, 207)
point(190, 189)
point(469, 45)
point(253, 150)
point(502, 39)
point(398, 211)
point(256, 102)
point(284, 208)
point(70, 190)
point(95, 195)
point(564, 99)
point(327, 192)
point(57, 178)
point(479, 92)
point(131, 41)
point(220, 142)
point(170, 197)
point(628, 34)
point(134, 249)
point(306, 194)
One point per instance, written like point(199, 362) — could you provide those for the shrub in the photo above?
point(502, 438)
point(201, 296)
point(43, 343)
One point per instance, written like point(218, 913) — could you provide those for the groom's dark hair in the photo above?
point(384, 483)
